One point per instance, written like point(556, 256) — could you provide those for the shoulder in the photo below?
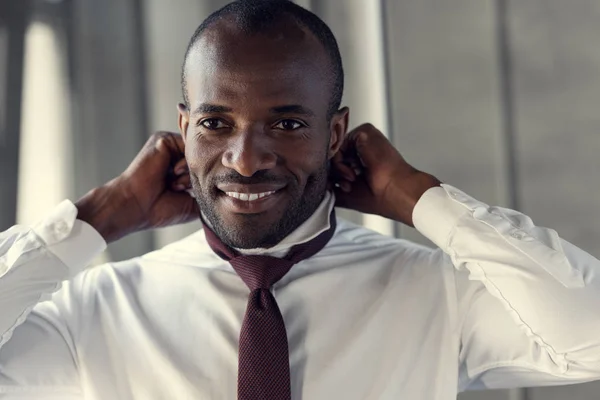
point(349, 235)
point(175, 261)
point(192, 250)
point(357, 244)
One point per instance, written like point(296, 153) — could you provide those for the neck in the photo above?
point(317, 223)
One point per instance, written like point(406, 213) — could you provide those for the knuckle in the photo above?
point(164, 135)
point(160, 134)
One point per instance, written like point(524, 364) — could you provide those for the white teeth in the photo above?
point(248, 196)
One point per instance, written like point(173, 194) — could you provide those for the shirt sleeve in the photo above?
point(35, 344)
point(528, 301)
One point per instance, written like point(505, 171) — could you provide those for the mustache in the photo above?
point(263, 176)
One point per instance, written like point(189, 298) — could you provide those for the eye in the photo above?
point(212, 123)
point(289, 125)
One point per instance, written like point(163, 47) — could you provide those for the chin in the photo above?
point(249, 231)
point(265, 222)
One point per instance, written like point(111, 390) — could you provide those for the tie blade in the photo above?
point(264, 370)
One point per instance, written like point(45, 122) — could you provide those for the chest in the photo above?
point(354, 335)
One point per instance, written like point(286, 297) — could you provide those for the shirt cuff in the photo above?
point(72, 241)
point(437, 213)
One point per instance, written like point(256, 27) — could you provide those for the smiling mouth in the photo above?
point(257, 198)
point(249, 196)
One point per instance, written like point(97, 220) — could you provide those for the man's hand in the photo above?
point(150, 193)
point(371, 176)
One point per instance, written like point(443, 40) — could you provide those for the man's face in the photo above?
point(258, 140)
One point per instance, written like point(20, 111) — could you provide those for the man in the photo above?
point(277, 298)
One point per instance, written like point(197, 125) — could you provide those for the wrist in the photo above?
point(107, 210)
point(409, 192)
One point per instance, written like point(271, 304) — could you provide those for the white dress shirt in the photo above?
point(502, 303)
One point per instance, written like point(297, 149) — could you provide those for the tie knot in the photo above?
point(260, 271)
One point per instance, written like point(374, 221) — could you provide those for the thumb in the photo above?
point(159, 154)
point(372, 148)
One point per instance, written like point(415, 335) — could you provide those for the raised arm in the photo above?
point(38, 339)
point(528, 301)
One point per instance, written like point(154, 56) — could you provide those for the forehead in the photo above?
point(284, 65)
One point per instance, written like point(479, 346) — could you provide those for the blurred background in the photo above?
point(496, 97)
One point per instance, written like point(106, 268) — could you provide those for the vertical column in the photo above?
point(109, 107)
point(363, 54)
point(45, 167)
point(13, 19)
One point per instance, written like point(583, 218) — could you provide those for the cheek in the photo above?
point(201, 157)
point(306, 161)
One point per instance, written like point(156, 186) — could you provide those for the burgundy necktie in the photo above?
point(263, 364)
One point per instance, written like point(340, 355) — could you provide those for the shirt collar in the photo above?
point(316, 224)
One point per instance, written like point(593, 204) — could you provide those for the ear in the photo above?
point(183, 119)
point(338, 128)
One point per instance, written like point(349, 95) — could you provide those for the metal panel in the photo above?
point(557, 92)
point(12, 32)
point(108, 97)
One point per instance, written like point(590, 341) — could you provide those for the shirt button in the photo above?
point(517, 234)
point(457, 196)
point(61, 228)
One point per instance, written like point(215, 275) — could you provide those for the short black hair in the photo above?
point(257, 16)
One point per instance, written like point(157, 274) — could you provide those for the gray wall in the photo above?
point(498, 98)
point(13, 17)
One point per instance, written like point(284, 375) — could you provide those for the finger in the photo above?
point(175, 142)
point(351, 160)
point(372, 147)
point(154, 159)
point(180, 167)
point(353, 134)
point(171, 144)
point(340, 168)
point(348, 151)
point(166, 147)
point(355, 165)
point(346, 142)
point(344, 186)
point(181, 183)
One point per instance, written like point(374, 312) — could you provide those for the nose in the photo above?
point(248, 153)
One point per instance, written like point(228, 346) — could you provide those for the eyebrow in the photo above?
point(207, 108)
point(292, 109)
